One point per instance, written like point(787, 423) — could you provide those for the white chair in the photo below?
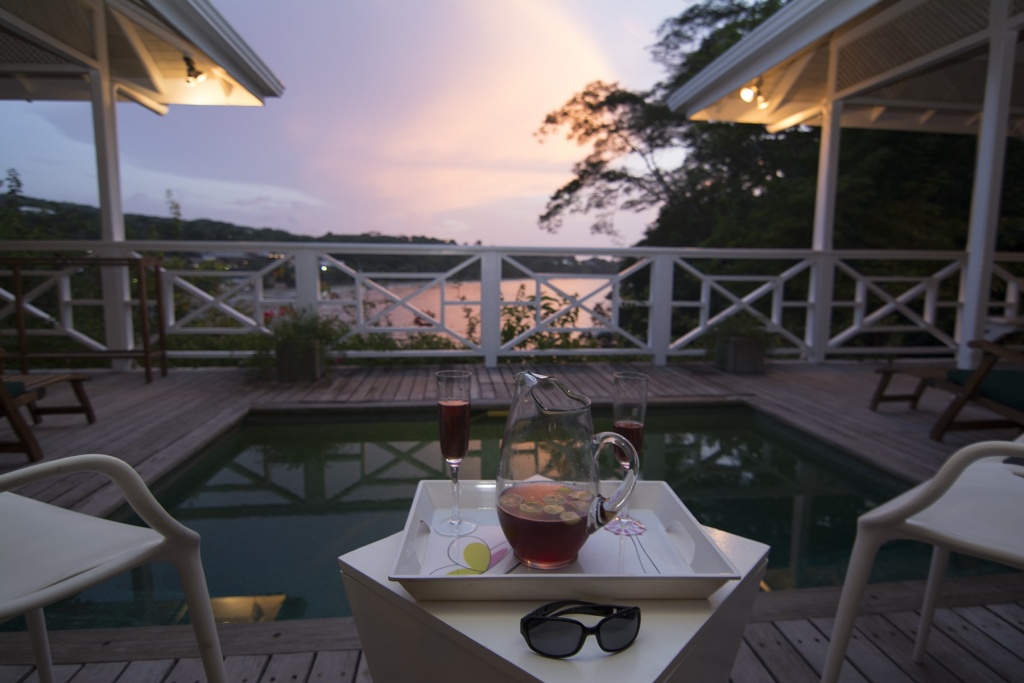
point(973, 505)
point(48, 553)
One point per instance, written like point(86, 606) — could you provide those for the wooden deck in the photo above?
point(158, 427)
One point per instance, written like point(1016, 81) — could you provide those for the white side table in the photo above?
point(450, 641)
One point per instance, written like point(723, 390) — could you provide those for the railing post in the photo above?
point(659, 308)
point(990, 162)
point(490, 307)
point(307, 279)
point(170, 315)
point(117, 308)
point(819, 309)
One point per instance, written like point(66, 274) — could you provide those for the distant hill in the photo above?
point(41, 219)
point(44, 219)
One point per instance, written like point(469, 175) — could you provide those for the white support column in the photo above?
point(116, 284)
point(975, 283)
point(819, 311)
point(490, 307)
point(307, 280)
point(659, 308)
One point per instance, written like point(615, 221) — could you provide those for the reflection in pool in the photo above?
point(279, 499)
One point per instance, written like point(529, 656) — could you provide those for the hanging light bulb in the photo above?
point(762, 103)
point(751, 93)
point(192, 74)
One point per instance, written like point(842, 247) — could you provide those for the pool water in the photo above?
point(279, 499)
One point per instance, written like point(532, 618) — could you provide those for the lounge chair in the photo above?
point(999, 390)
point(14, 396)
point(48, 553)
point(38, 383)
point(973, 505)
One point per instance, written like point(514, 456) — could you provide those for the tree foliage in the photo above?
point(617, 125)
point(633, 136)
point(736, 185)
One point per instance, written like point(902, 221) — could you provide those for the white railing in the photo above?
point(498, 303)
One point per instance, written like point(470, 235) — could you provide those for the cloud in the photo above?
point(399, 116)
point(483, 78)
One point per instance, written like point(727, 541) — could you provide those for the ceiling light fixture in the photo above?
point(749, 92)
point(192, 74)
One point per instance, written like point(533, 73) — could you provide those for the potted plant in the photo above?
point(298, 343)
point(738, 345)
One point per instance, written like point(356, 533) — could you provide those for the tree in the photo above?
point(621, 126)
point(174, 208)
point(736, 185)
point(633, 135)
point(10, 215)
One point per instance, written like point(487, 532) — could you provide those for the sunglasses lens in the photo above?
point(554, 638)
point(619, 631)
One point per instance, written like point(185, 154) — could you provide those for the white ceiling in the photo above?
point(915, 65)
point(49, 47)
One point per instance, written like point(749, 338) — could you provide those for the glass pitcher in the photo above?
point(548, 497)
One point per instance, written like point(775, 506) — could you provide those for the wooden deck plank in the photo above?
point(893, 635)
point(293, 666)
point(748, 668)
point(334, 666)
point(409, 378)
point(160, 426)
point(778, 654)
point(812, 646)
point(187, 671)
point(363, 672)
point(14, 674)
point(245, 669)
point(487, 383)
point(863, 656)
point(62, 673)
point(1006, 633)
point(100, 672)
point(1012, 613)
point(148, 670)
point(986, 636)
point(980, 652)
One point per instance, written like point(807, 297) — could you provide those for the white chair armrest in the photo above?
point(921, 496)
point(123, 475)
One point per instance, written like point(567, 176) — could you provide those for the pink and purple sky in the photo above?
point(404, 117)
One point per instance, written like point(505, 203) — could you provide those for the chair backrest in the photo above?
point(911, 502)
point(124, 476)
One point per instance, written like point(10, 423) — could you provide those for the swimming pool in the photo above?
point(278, 500)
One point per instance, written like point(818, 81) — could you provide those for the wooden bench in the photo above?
point(12, 397)
point(37, 383)
point(999, 391)
point(926, 375)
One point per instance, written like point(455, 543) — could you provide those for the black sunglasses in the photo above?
point(548, 634)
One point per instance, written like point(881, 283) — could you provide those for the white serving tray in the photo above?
point(674, 559)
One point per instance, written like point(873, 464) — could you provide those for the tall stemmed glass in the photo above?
point(629, 408)
point(453, 425)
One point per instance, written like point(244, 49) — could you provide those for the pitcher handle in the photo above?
point(604, 509)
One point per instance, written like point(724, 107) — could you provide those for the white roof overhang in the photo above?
point(915, 65)
point(49, 48)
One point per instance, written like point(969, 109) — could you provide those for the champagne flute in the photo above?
point(453, 426)
point(629, 407)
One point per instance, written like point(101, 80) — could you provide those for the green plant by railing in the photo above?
point(289, 326)
point(520, 317)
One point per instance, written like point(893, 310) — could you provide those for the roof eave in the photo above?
point(211, 33)
point(793, 28)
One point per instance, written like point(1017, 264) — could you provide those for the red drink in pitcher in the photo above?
point(545, 522)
